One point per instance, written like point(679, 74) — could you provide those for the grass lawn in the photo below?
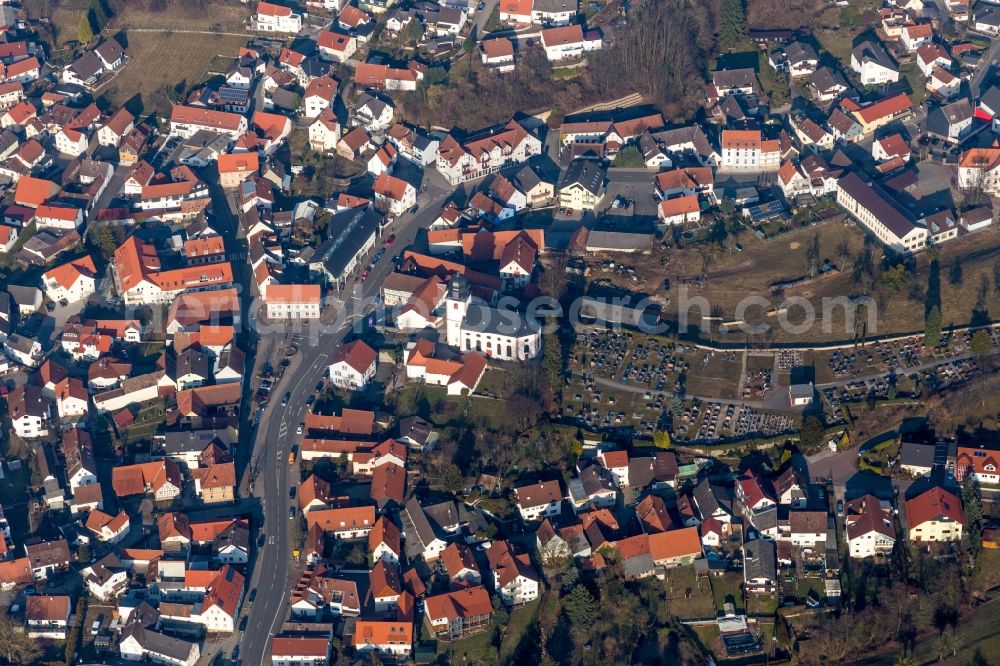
point(23, 237)
point(916, 80)
point(987, 573)
point(727, 588)
point(224, 17)
point(760, 363)
point(708, 635)
point(761, 604)
point(494, 381)
point(65, 16)
point(805, 585)
point(520, 620)
point(474, 649)
point(980, 631)
point(689, 596)
point(838, 43)
point(717, 377)
point(160, 61)
point(819, 361)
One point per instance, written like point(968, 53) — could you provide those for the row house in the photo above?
point(413, 145)
point(612, 135)
point(299, 651)
point(485, 152)
point(162, 478)
point(293, 301)
point(185, 121)
point(748, 150)
point(344, 523)
point(882, 112)
point(318, 594)
point(138, 278)
point(384, 638)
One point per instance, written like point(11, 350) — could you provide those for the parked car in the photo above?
point(291, 512)
point(390, 240)
point(300, 428)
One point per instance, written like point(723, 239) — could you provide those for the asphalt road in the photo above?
point(986, 66)
point(483, 17)
point(275, 433)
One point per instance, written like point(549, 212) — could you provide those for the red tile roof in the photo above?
point(239, 162)
point(190, 115)
point(884, 108)
point(934, 504)
point(356, 354)
point(67, 274)
point(467, 604)
point(570, 34)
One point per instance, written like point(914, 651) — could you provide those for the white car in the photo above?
point(300, 428)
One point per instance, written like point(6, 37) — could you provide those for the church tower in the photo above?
point(456, 305)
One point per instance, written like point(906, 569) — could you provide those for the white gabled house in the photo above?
point(270, 17)
point(353, 366)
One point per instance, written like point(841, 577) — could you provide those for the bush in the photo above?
point(629, 157)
